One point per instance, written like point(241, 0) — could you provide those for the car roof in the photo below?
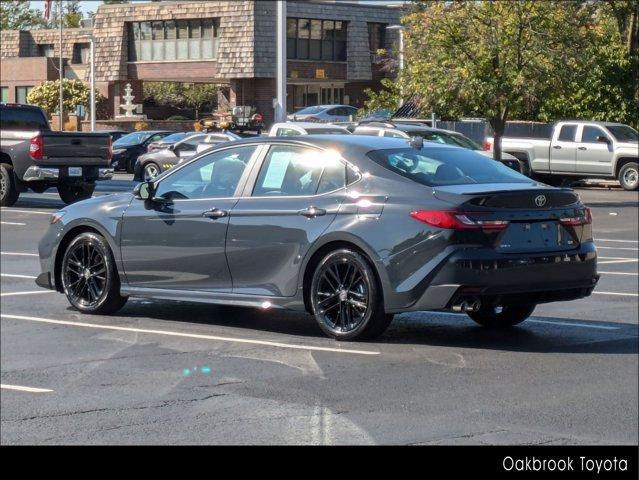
point(306, 125)
point(406, 127)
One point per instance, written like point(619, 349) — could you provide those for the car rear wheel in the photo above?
point(346, 299)
point(8, 192)
point(502, 316)
point(629, 176)
point(151, 170)
point(71, 193)
point(89, 276)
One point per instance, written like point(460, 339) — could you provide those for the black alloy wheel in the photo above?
point(345, 297)
point(89, 277)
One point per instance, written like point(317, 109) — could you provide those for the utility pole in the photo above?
point(92, 84)
point(61, 106)
point(280, 105)
point(400, 29)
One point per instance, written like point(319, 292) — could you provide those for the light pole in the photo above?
point(280, 105)
point(61, 72)
point(92, 84)
point(400, 29)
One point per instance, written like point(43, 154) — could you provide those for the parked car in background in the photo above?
point(128, 148)
point(168, 140)
point(289, 129)
point(32, 157)
point(578, 150)
point(150, 165)
point(114, 134)
point(437, 135)
point(352, 229)
point(324, 113)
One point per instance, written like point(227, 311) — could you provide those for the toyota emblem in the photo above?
point(540, 200)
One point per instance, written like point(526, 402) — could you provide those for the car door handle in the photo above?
point(312, 212)
point(215, 213)
point(557, 147)
point(582, 148)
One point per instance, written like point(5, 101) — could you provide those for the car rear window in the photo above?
point(21, 118)
point(445, 166)
point(326, 131)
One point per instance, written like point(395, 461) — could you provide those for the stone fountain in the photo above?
point(129, 107)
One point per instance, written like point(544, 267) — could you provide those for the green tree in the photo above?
point(197, 95)
point(494, 59)
point(75, 92)
point(71, 14)
point(385, 98)
point(18, 15)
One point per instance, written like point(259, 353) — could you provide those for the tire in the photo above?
point(130, 165)
point(89, 276)
point(629, 176)
point(150, 171)
point(8, 191)
point(347, 312)
point(508, 316)
point(71, 193)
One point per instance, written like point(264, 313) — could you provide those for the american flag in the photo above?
point(47, 9)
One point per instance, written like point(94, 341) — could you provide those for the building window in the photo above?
point(46, 50)
point(81, 52)
point(173, 40)
point(376, 36)
point(5, 94)
point(309, 39)
point(21, 94)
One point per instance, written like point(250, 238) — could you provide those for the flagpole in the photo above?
point(61, 72)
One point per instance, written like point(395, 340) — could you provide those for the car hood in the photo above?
point(111, 205)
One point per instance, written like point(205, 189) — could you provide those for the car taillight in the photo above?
point(109, 150)
point(585, 219)
point(36, 148)
point(487, 146)
point(453, 220)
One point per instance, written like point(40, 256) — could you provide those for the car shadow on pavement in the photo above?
point(542, 334)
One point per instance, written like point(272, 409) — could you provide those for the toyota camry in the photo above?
point(351, 229)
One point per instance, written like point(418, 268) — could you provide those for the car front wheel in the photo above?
point(346, 298)
point(89, 276)
point(502, 316)
point(151, 170)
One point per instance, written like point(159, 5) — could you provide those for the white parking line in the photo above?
point(12, 275)
point(12, 223)
point(191, 335)
point(619, 294)
point(599, 247)
point(610, 240)
point(19, 254)
point(628, 260)
point(25, 389)
point(569, 324)
point(619, 273)
point(35, 212)
point(32, 292)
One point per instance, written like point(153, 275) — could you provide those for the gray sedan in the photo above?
point(352, 229)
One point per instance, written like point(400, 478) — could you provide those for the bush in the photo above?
point(74, 92)
point(139, 126)
point(177, 118)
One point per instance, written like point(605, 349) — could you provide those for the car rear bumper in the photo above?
point(36, 173)
point(509, 278)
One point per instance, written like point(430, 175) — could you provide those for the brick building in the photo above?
point(230, 42)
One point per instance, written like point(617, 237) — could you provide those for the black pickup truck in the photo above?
point(32, 157)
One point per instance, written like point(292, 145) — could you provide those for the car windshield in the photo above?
point(327, 131)
point(623, 133)
point(310, 110)
point(134, 138)
point(443, 166)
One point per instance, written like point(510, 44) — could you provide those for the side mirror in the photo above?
point(143, 191)
point(603, 139)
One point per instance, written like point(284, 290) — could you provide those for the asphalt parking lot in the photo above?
point(169, 372)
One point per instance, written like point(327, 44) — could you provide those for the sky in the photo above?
point(92, 5)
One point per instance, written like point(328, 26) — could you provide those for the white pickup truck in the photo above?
point(577, 150)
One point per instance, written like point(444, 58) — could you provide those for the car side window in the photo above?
point(333, 177)
point(334, 111)
point(390, 134)
point(371, 132)
point(590, 134)
point(289, 171)
point(213, 176)
point(286, 132)
point(567, 133)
